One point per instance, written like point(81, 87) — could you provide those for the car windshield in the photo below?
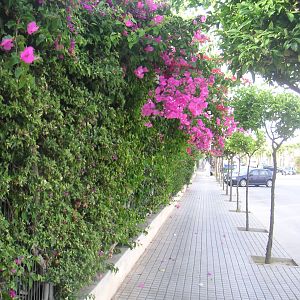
point(242, 172)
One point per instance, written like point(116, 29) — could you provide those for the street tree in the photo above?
point(261, 36)
point(251, 145)
point(244, 144)
point(279, 115)
point(229, 152)
point(249, 114)
point(281, 119)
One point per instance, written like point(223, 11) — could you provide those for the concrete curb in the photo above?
point(110, 283)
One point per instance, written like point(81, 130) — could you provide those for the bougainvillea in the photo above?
point(103, 104)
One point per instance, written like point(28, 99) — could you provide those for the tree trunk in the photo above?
point(227, 175)
point(271, 228)
point(247, 194)
point(238, 209)
point(216, 169)
point(222, 172)
point(230, 194)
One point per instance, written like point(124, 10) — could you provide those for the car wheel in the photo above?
point(269, 183)
point(243, 182)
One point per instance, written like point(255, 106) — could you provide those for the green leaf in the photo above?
point(13, 60)
point(141, 32)
point(18, 72)
point(290, 16)
point(40, 39)
point(294, 47)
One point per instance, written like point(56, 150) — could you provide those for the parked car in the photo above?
point(271, 168)
point(256, 177)
point(289, 171)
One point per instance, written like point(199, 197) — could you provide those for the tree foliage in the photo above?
point(259, 36)
point(262, 37)
point(282, 117)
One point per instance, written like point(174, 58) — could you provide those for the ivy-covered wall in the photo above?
point(79, 171)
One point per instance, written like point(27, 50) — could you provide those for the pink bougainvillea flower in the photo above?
point(194, 58)
point(87, 7)
point(203, 19)
point(211, 80)
point(32, 28)
point(148, 48)
point(128, 23)
point(182, 52)
point(189, 150)
point(217, 71)
point(19, 260)
point(27, 55)
point(59, 47)
point(158, 19)
point(148, 124)
point(149, 109)
point(71, 49)
point(151, 5)
point(140, 71)
point(12, 293)
point(158, 39)
point(140, 5)
point(200, 37)
point(7, 44)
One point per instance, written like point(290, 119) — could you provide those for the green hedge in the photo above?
point(79, 171)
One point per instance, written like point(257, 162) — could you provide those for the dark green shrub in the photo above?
point(79, 170)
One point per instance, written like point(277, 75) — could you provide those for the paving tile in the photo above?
point(199, 253)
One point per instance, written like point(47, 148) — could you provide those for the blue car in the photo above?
point(256, 177)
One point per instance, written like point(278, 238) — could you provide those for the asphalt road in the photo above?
point(287, 211)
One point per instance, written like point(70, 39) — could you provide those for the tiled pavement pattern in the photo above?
point(199, 254)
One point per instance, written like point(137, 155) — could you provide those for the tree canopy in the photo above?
point(278, 114)
point(282, 117)
point(259, 36)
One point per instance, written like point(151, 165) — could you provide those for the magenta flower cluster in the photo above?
point(182, 93)
point(27, 55)
point(7, 44)
point(140, 71)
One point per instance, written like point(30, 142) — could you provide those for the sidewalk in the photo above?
point(200, 254)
